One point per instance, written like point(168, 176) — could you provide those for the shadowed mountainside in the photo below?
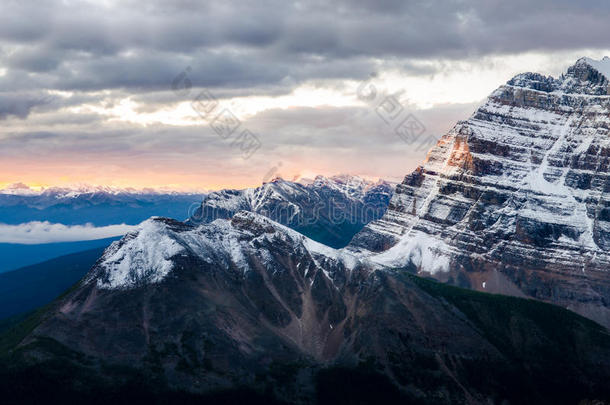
point(278, 315)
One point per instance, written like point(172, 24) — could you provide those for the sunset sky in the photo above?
point(102, 92)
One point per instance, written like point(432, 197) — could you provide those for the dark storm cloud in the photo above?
point(245, 44)
point(21, 104)
point(35, 59)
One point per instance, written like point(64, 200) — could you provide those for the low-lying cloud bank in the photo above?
point(33, 233)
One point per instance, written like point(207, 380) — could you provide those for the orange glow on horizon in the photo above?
point(149, 182)
point(139, 183)
point(193, 175)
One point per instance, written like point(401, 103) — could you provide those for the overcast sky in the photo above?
point(102, 92)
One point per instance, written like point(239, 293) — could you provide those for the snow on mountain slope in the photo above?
point(147, 255)
point(141, 256)
point(516, 199)
point(329, 210)
point(22, 189)
point(602, 66)
point(247, 302)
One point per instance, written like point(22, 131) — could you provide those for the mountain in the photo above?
point(30, 287)
point(249, 311)
point(15, 256)
point(516, 199)
point(99, 206)
point(330, 210)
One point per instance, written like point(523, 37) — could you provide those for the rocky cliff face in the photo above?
point(247, 302)
point(330, 210)
point(516, 199)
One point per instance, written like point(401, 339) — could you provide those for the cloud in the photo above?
point(66, 68)
point(238, 44)
point(33, 233)
point(21, 104)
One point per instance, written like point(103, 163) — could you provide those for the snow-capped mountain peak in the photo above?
point(149, 254)
point(77, 190)
point(328, 209)
point(19, 189)
point(602, 66)
point(516, 199)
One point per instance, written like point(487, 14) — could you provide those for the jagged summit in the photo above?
point(148, 254)
point(516, 199)
point(586, 76)
point(602, 66)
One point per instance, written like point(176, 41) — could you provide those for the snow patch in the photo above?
point(146, 255)
point(602, 66)
point(426, 252)
point(141, 257)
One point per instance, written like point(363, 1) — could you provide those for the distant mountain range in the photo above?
point(99, 206)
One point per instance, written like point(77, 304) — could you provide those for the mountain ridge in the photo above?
point(278, 301)
point(514, 199)
point(327, 209)
point(99, 207)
